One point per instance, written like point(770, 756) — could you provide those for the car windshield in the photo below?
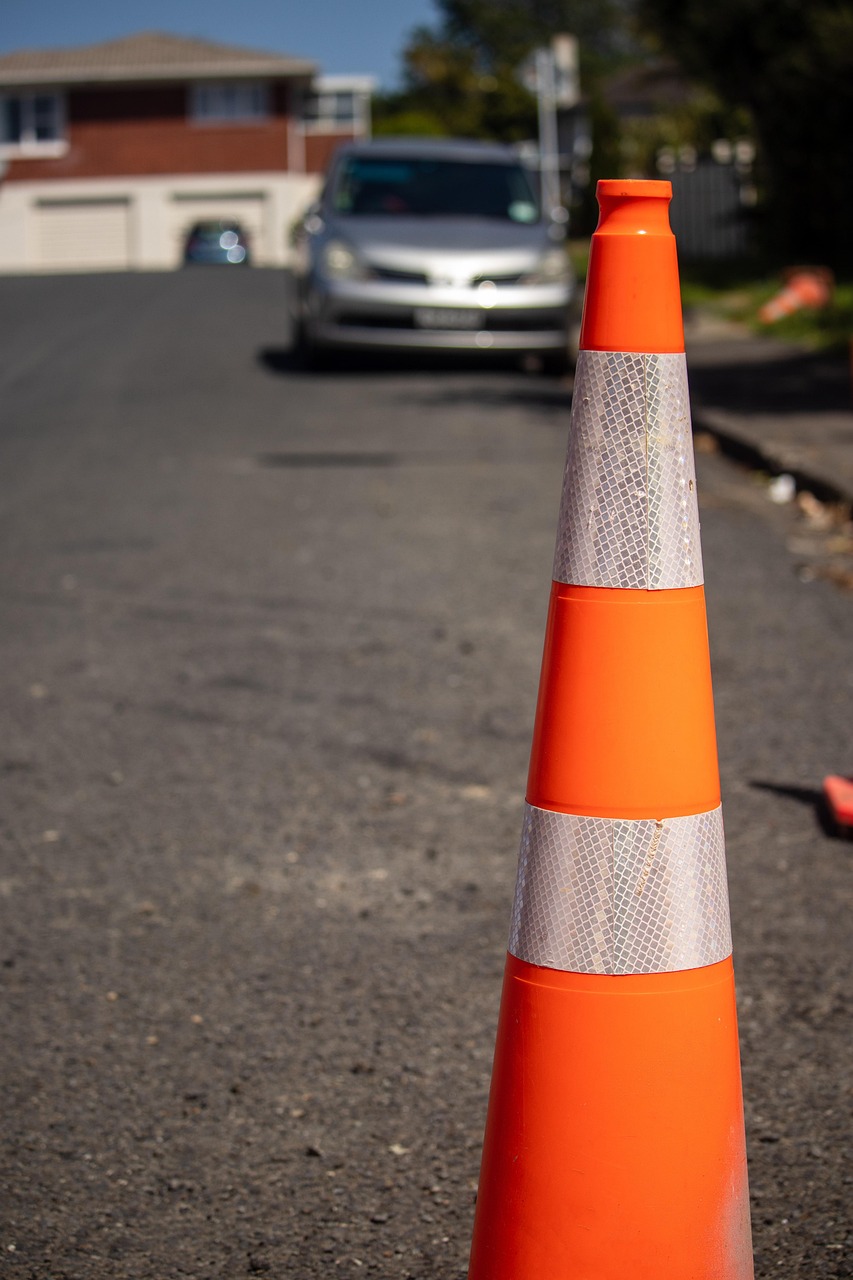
point(423, 187)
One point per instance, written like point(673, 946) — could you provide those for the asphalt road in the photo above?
point(268, 664)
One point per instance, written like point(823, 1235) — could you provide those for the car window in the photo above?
point(213, 230)
point(385, 186)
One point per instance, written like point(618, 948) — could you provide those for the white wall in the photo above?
point(159, 210)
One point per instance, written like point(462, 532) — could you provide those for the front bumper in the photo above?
point(525, 318)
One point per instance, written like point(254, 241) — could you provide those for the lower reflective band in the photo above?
point(615, 896)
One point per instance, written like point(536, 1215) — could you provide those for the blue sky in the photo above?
point(362, 37)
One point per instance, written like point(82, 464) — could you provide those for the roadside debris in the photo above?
point(820, 515)
point(782, 489)
point(825, 544)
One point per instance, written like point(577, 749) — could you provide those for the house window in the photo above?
point(330, 108)
point(235, 102)
point(334, 110)
point(31, 123)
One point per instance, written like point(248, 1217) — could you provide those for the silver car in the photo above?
point(433, 245)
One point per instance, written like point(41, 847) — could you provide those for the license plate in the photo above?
point(447, 318)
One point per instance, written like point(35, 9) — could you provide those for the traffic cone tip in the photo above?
point(633, 208)
point(633, 300)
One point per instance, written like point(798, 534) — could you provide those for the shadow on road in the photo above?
point(296, 459)
point(523, 384)
point(289, 360)
point(773, 380)
point(810, 796)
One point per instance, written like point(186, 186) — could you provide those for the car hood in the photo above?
point(443, 246)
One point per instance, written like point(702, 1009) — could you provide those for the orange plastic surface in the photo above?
point(633, 298)
point(625, 718)
point(838, 793)
point(614, 1144)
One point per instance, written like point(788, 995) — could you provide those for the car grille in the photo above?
point(401, 277)
point(420, 277)
point(498, 281)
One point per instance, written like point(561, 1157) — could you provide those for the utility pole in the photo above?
point(551, 72)
point(549, 158)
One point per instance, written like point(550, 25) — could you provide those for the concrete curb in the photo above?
point(736, 441)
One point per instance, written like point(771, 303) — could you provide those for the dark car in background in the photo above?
point(224, 243)
point(433, 245)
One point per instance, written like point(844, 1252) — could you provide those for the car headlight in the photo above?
point(553, 268)
point(338, 261)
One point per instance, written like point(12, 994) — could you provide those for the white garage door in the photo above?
point(249, 210)
point(82, 235)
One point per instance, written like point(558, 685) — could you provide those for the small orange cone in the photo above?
point(614, 1146)
point(806, 287)
point(838, 796)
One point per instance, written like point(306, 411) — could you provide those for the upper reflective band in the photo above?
point(629, 515)
point(619, 896)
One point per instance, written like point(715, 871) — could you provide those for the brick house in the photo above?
point(110, 152)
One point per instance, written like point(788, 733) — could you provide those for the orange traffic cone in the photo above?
point(614, 1145)
point(805, 287)
point(838, 797)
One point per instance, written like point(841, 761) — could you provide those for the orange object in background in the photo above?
point(805, 287)
point(614, 1145)
point(838, 795)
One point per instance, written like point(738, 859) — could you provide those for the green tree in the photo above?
point(462, 78)
point(450, 91)
point(503, 32)
point(790, 64)
point(464, 74)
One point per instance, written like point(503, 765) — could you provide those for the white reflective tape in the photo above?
point(617, 896)
point(629, 515)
